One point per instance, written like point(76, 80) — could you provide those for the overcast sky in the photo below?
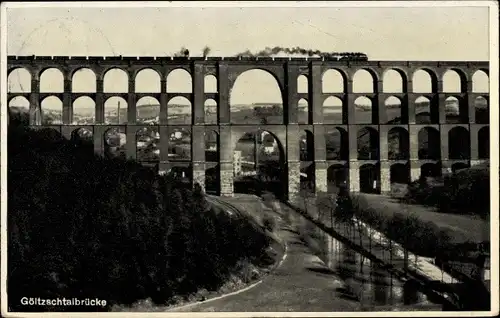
point(432, 33)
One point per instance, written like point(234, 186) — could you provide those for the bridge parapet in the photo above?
point(258, 60)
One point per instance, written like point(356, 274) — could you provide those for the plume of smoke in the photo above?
point(268, 51)
point(182, 52)
point(206, 51)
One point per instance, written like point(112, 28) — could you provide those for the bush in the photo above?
point(464, 192)
point(269, 222)
point(422, 238)
point(84, 226)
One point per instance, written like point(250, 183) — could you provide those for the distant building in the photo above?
point(268, 142)
point(237, 162)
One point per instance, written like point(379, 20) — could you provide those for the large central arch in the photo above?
point(256, 98)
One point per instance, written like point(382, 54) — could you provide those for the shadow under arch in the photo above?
point(336, 143)
point(432, 170)
point(483, 143)
point(400, 173)
point(368, 143)
point(259, 164)
point(458, 143)
point(83, 139)
point(337, 175)
point(429, 143)
point(212, 180)
point(369, 176)
point(398, 143)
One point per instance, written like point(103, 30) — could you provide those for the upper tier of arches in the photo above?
point(355, 79)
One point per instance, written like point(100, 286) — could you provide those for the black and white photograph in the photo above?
point(258, 159)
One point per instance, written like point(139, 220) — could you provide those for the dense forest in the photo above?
point(80, 225)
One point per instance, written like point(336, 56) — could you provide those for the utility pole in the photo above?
point(256, 154)
point(118, 112)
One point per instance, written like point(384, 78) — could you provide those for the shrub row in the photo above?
point(83, 226)
point(420, 237)
point(464, 192)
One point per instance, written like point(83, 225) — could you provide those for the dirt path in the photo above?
point(301, 283)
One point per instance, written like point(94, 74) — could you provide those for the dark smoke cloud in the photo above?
point(268, 51)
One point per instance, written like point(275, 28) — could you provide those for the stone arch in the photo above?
point(333, 81)
point(368, 144)
point(337, 143)
point(304, 113)
point(424, 81)
point(83, 80)
point(306, 145)
point(394, 81)
point(147, 140)
point(51, 109)
point(211, 112)
point(454, 81)
point(423, 110)
point(115, 80)
point(393, 110)
point(115, 110)
point(179, 111)
point(18, 110)
point(459, 166)
point(432, 170)
point(19, 81)
point(429, 143)
point(82, 137)
point(337, 175)
point(115, 142)
point(212, 146)
point(398, 144)
point(51, 81)
point(481, 107)
point(147, 80)
point(483, 143)
point(211, 85)
point(458, 143)
point(302, 84)
point(179, 81)
point(400, 173)
point(212, 180)
point(84, 111)
point(259, 163)
point(148, 110)
point(248, 88)
point(333, 112)
point(364, 113)
point(369, 176)
point(480, 82)
point(453, 110)
point(364, 81)
point(179, 144)
point(19, 103)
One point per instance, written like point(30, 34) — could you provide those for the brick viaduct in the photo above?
point(285, 71)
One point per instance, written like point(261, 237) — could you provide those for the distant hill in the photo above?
point(151, 111)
